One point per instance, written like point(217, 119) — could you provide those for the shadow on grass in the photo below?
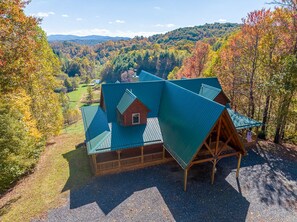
point(80, 172)
point(5, 208)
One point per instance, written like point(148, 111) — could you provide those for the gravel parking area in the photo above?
point(265, 191)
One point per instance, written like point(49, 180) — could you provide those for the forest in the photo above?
point(257, 67)
point(28, 69)
point(158, 54)
point(256, 63)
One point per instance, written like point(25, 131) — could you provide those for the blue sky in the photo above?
point(135, 17)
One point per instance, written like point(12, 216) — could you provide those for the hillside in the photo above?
point(195, 33)
point(84, 40)
point(137, 53)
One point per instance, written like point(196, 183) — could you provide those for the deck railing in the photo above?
point(127, 162)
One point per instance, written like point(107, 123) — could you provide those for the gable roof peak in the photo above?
point(130, 93)
point(127, 99)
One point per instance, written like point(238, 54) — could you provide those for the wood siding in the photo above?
point(135, 107)
point(222, 99)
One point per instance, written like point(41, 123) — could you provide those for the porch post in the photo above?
point(218, 136)
point(119, 158)
point(238, 165)
point(213, 170)
point(94, 161)
point(257, 133)
point(185, 179)
point(141, 154)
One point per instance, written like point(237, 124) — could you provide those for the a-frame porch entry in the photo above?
point(222, 141)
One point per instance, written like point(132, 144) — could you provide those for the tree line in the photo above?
point(30, 111)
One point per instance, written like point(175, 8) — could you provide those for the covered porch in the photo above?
point(128, 159)
point(246, 127)
point(222, 142)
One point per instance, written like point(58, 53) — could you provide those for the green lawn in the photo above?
point(79, 94)
point(76, 95)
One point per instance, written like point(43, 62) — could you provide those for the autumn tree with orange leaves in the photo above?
point(194, 66)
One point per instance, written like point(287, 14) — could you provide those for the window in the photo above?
point(135, 118)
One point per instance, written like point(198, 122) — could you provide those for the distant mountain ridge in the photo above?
point(84, 40)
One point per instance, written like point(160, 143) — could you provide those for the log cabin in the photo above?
point(154, 121)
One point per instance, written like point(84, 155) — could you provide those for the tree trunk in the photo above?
point(265, 115)
point(282, 114)
point(254, 68)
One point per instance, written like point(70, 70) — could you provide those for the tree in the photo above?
point(90, 95)
point(172, 74)
point(75, 83)
point(88, 80)
point(68, 84)
point(194, 65)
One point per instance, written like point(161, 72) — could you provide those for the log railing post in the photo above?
point(142, 159)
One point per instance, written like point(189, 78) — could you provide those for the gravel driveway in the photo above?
point(266, 191)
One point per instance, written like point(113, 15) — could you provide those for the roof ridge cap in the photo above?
point(130, 93)
point(200, 96)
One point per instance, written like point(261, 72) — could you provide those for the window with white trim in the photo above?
point(135, 118)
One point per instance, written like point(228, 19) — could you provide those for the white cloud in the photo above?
point(157, 8)
point(65, 15)
point(222, 20)
point(170, 25)
point(119, 21)
point(43, 14)
point(79, 19)
point(164, 25)
point(106, 32)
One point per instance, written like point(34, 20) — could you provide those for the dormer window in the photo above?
point(135, 118)
point(131, 111)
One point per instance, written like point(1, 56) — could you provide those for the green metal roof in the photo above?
point(179, 117)
point(95, 125)
point(194, 85)
point(146, 76)
point(104, 137)
point(149, 93)
point(209, 92)
point(241, 121)
point(185, 121)
point(127, 99)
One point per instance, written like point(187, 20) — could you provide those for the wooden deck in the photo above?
point(129, 159)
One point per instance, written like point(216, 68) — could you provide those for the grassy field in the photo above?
point(48, 186)
point(76, 95)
